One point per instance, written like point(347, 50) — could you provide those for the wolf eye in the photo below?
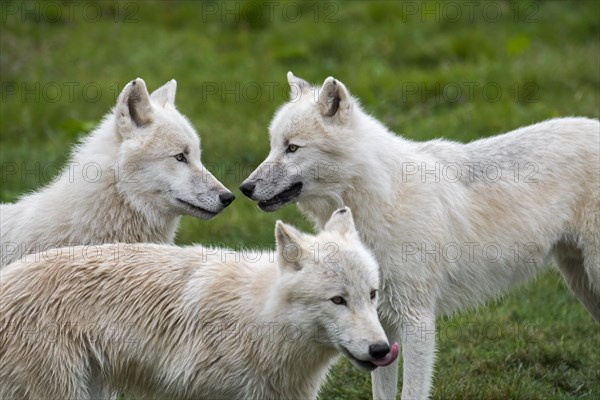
point(338, 300)
point(373, 294)
point(181, 157)
point(292, 148)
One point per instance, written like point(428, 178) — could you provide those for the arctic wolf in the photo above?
point(193, 322)
point(129, 181)
point(451, 224)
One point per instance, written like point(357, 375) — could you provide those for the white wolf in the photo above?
point(451, 224)
point(187, 323)
point(129, 181)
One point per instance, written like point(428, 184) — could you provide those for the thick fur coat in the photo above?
point(191, 323)
point(126, 182)
point(452, 225)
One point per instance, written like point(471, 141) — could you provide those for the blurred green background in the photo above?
point(458, 70)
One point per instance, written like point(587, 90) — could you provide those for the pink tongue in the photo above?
point(389, 358)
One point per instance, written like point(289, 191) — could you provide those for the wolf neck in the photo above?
point(283, 351)
point(292, 362)
point(368, 173)
point(89, 186)
point(293, 368)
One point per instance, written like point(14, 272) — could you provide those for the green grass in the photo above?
point(411, 69)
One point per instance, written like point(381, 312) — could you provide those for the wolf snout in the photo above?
point(247, 188)
point(226, 198)
point(379, 350)
point(388, 358)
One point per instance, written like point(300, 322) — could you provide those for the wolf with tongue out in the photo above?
point(192, 322)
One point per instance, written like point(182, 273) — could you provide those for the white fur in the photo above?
point(189, 323)
point(430, 231)
point(120, 183)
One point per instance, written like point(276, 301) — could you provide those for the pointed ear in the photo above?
point(165, 94)
point(133, 107)
point(297, 85)
point(289, 247)
point(335, 100)
point(341, 221)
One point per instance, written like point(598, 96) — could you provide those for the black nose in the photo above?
point(247, 188)
point(379, 350)
point(226, 198)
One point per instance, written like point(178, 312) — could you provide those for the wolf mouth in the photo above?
point(288, 195)
point(366, 365)
point(371, 365)
point(202, 212)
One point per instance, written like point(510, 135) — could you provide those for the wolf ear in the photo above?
point(288, 246)
point(165, 94)
point(341, 221)
point(133, 107)
point(334, 100)
point(297, 85)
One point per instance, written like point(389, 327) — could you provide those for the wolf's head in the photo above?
point(159, 155)
point(329, 284)
point(310, 136)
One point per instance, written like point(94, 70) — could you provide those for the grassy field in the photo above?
point(427, 70)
